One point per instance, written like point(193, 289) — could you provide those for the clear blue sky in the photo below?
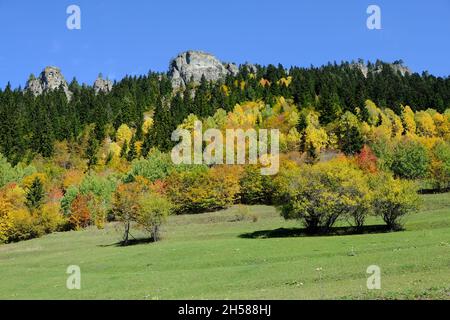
point(134, 36)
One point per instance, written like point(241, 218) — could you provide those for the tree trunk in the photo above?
point(126, 233)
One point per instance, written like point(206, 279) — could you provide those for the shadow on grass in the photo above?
point(301, 232)
point(131, 242)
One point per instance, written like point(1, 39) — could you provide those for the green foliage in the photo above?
point(153, 211)
point(13, 174)
point(440, 165)
point(350, 138)
point(69, 197)
point(410, 160)
point(35, 194)
point(98, 185)
point(156, 166)
point(321, 194)
point(255, 188)
point(7, 172)
point(91, 151)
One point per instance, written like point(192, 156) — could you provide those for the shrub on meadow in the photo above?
point(135, 203)
point(49, 218)
point(321, 194)
point(393, 199)
point(254, 187)
point(153, 212)
point(440, 166)
point(203, 190)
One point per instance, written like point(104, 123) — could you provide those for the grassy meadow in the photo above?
point(239, 253)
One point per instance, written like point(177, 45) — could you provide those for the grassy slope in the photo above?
point(203, 256)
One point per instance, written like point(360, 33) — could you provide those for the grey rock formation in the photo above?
point(49, 79)
point(232, 68)
point(195, 64)
point(251, 67)
point(102, 85)
point(397, 66)
point(362, 67)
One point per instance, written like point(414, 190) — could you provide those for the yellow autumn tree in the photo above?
point(425, 124)
point(123, 134)
point(409, 122)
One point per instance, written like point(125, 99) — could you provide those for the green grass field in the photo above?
point(216, 256)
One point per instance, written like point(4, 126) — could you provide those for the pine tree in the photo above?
point(35, 194)
point(123, 151)
point(132, 153)
point(91, 150)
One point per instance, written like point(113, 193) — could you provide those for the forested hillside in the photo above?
point(31, 125)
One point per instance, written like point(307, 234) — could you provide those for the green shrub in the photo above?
point(153, 212)
point(411, 160)
point(319, 195)
point(440, 166)
point(255, 188)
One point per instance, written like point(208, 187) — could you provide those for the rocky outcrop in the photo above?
point(397, 66)
point(49, 79)
point(232, 69)
point(250, 67)
point(102, 85)
point(192, 65)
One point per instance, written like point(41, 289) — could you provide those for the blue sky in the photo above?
point(134, 36)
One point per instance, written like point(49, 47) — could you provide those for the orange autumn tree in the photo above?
point(80, 216)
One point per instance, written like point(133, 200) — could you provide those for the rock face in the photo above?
point(397, 66)
point(102, 85)
point(195, 64)
point(49, 79)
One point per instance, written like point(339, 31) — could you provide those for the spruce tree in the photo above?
point(35, 194)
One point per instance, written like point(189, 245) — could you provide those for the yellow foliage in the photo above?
point(147, 125)
point(396, 123)
point(6, 221)
point(285, 81)
point(72, 178)
point(373, 111)
point(28, 180)
point(225, 90)
point(425, 124)
point(123, 134)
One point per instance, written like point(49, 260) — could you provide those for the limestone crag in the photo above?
point(49, 79)
point(102, 85)
point(192, 65)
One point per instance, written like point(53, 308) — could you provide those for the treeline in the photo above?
point(31, 125)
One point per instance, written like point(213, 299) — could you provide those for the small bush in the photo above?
point(321, 194)
point(255, 188)
point(440, 166)
point(204, 190)
point(393, 199)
